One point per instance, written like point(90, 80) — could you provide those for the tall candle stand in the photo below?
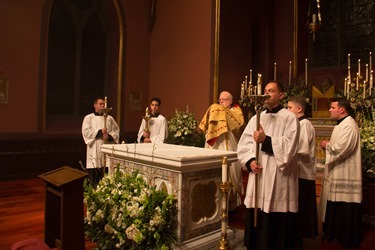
point(105, 112)
point(224, 188)
point(258, 101)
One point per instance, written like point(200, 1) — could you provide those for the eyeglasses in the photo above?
point(223, 99)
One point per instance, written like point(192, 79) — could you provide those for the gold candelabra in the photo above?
point(314, 21)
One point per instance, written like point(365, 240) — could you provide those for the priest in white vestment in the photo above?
point(277, 171)
point(96, 130)
point(223, 125)
point(158, 125)
point(342, 185)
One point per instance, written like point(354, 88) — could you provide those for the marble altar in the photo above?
point(190, 173)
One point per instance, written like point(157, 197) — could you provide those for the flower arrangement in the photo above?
point(301, 90)
point(182, 129)
point(368, 147)
point(124, 212)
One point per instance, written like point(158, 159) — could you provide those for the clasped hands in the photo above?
point(105, 133)
point(146, 136)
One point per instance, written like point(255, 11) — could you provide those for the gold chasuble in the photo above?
point(219, 120)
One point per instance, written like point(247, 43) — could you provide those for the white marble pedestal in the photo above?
point(191, 174)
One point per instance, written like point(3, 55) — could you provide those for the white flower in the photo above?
point(121, 200)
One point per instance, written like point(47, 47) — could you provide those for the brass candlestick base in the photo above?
point(224, 188)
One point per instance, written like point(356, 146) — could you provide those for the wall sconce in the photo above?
point(314, 19)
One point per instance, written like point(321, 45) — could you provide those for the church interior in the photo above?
point(59, 55)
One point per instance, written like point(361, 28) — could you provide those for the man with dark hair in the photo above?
point(158, 126)
point(96, 130)
point(342, 187)
point(307, 216)
point(277, 172)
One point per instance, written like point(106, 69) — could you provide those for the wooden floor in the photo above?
point(22, 217)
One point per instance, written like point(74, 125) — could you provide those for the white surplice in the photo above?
point(90, 128)
point(158, 129)
point(306, 151)
point(278, 182)
point(343, 167)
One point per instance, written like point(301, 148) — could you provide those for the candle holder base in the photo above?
point(223, 244)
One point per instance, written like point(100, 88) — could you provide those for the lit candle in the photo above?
point(366, 72)
point(359, 67)
point(357, 82)
point(370, 62)
point(349, 77)
point(242, 91)
point(371, 82)
point(251, 77)
point(348, 61)
point(306, 71)
point(274, 71)
point(348, 89)
point(224, 169)
point(105, 102)
point(364, 89)
point(259, 92)
point(245, 87)
point(345, 83)
point(314, 18)
point(290, 73)
point(349, 68)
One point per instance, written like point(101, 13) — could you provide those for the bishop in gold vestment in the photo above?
point(223, 125)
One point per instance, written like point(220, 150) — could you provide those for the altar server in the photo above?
point(97, 130)
point(307, 209)
point(342, 184)
point(157, 125)
point(277, 171)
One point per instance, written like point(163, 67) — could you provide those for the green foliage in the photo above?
point(182, 130)
point(124, 212)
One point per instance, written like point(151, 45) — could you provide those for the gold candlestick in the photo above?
point(224, 188)
point(147, 120)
